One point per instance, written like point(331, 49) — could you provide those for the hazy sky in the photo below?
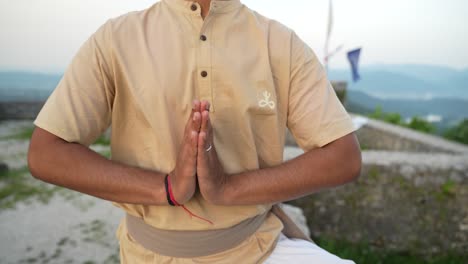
point(43, 35)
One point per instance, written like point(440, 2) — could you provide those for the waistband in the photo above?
point(190, 244)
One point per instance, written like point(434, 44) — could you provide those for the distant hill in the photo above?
point(407, 89)
point(452, 110)
point(408, 81)
point(384, 81)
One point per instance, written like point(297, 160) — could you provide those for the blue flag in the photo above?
point(353, 57)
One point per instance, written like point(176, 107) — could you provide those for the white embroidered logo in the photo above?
point(266, 101)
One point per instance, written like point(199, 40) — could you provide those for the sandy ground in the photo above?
point(63, 231)
point(68, 227)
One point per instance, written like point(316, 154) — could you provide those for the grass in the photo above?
point(106, 154)
point(448, 188)
point(367, 254)
point(24, 134)
point(18, 186)
point(102, 140)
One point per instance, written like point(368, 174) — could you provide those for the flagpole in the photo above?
point(329, 31)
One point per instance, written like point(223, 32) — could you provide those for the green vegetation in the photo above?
point(373, 173)
point(341, 95)
point(24, 134)
point(393, 118)
point(459, 132)
point(18, 185)
point(370, 254)
point(420, 124)
point(448, 188)
point(106, 154)
point(416, 123)
point(102, 140)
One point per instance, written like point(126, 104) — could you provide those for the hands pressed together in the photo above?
point(197, 161)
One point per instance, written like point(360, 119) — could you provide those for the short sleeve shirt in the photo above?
point(140, 72)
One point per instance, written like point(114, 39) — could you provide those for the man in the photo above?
point(199, 95)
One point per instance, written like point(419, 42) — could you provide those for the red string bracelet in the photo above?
point(172, 201)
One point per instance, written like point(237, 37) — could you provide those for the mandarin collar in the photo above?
point(216, 6)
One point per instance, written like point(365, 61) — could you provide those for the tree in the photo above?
point(459, 132)
point(420, 124)
point(394, 118)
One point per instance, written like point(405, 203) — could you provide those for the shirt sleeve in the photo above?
point(316, 117)
point(79, 109)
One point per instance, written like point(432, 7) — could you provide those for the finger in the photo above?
point(202, 144)
point(205, 116)
point(195, 109)
point(204, 105)
point(194, 142)
point(206, 126)
point(209, 129)
point(196, 124)
point(196, 105)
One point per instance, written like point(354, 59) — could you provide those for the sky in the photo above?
point(44, 35)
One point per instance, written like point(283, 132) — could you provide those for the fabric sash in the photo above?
point(190, 244)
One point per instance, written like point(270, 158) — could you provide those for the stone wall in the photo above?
point(404, 202)
point(378, 135)
point(412, 194)
point(20, 110)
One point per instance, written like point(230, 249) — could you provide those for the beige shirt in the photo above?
point(140, 72)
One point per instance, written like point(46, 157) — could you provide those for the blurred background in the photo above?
point(399, 67)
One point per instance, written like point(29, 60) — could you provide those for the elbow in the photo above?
point(34, 160)
point(355, 159)
point(351, 172)
point(37, 154)
point(355, 167)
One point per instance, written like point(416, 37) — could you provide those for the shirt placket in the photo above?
point(203, 55)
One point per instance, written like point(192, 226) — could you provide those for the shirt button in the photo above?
point(204, 74)
point(193, 7)
point(203, 38)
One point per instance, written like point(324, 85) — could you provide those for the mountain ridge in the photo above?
point(407, 81)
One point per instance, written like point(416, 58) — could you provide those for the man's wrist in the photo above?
point(182, 188)
point(224, 191)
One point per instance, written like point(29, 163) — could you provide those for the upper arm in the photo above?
point(41, 142)
point(347, 152)
point(316, 117)
point(79, 109)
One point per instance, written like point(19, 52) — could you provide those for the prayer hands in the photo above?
point(183, 177)
point(198, 157)
point(211, 176)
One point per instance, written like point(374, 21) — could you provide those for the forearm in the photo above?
point(315, 170)
point(78, 168)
